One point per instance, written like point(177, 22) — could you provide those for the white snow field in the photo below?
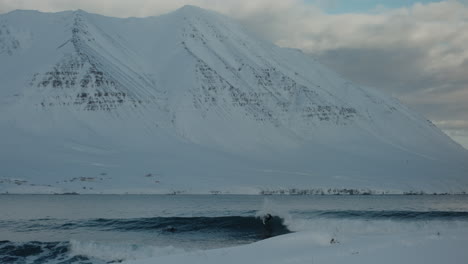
point(192, 102)
point(309, 247)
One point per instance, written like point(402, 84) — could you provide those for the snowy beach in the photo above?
point(415, 247)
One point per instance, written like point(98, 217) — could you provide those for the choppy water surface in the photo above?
point(112, 228)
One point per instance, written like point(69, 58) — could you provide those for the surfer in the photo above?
point(267, 218)
point(268, 228)
point(170, 229)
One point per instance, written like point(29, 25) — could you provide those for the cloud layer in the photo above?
point(418, 53)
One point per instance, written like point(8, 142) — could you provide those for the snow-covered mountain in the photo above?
point(191, 101)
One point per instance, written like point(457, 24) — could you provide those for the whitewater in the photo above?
point(231, 229)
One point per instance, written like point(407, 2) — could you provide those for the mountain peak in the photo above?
point(191, 10)
point(80, 12)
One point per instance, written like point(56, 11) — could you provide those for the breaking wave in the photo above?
point(241, 225)
point(238, 228)
point(235, 226)
point(36, 252)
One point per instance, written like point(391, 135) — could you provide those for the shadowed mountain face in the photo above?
point(200, 104)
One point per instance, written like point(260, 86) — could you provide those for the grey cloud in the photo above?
point(453, 124)
point(400, 72)
point(380, 68)
point(457, 129)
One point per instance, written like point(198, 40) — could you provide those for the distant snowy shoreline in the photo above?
point(260, 193)
point(21, 186)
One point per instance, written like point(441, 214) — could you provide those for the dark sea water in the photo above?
point(111, 228)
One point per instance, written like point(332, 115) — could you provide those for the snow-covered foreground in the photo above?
point(312, 247)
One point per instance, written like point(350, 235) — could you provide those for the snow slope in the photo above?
point(191, 101)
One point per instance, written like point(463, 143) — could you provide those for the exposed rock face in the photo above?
point(75, 82)
point(8, 43)
point(79, 79)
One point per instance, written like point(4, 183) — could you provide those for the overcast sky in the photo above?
point(416, 51)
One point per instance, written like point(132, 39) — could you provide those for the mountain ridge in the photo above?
point(194, 86)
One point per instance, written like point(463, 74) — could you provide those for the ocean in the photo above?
point(94, 229)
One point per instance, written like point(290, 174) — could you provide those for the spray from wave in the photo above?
point(116, 252)
point(74, 252)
